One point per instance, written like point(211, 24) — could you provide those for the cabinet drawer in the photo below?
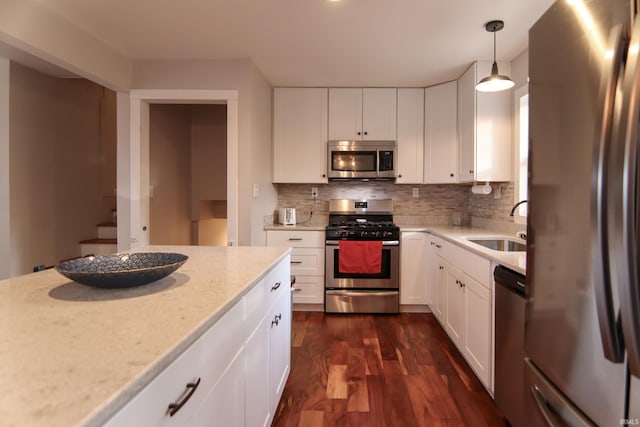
point(307, 261)
point(295, 238)
point(474, 265)
point(207, 359)
point(260, 299)
point(309, 290)
point(437, 244)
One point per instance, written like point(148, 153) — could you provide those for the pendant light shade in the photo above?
point(495, 82)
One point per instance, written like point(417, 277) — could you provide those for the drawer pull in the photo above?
point(189, 390)
point(295, 239)
point(275, 287)
point(276, 320)
point(296, 262)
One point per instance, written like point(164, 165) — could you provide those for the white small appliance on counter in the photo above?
point(287, 216)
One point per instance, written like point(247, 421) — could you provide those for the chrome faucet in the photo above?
point(513, 209)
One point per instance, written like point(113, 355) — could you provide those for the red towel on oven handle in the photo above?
point(360, 256)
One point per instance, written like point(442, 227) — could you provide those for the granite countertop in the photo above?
point(516, 261)
point(71, 355)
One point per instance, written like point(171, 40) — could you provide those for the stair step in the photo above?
point(98, 246)
point(107, 230)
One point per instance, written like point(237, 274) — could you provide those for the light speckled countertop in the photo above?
point(73, 355)
point(516, 261)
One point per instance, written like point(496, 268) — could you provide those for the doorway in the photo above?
point(134, 160)
point(188, 174)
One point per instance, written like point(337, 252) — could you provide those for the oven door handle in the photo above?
point(384, 242)
point(356, 294)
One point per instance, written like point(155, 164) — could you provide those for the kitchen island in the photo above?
point(71, 355)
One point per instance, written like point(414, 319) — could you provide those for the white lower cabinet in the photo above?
point(413, 268)
point(463, 303)
point(307, 262)
point(454, 306)
point(478, 330)
point(233, 375)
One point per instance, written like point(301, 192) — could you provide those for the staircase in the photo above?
point(106, 243)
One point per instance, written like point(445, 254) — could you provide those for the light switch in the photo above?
point(256, 190)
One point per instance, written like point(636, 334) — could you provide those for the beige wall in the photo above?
point(254, 126)
point(170, 174)
point(188, 174)
point(57, 155)
point(29, 26)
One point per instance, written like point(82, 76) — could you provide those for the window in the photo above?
point(521, 152)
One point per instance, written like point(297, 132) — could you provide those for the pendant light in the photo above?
point(495, 82)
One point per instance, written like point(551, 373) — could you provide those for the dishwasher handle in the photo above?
point(511, 280)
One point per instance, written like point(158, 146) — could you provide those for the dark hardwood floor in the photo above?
point(379, 370)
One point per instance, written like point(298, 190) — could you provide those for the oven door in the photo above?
point(388, 278)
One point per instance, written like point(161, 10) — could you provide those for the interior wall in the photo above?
point(208, 154)
point(5, 226)
point(264, 202)
point(237, 75)
point(56, 159)
point(170, 174)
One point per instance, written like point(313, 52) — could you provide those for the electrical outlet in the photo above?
point(314, 192)
point(497, 194)
point(256, 190)
point(416, 192)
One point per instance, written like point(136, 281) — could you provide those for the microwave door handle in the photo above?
point(604, 149)
point(627, 257)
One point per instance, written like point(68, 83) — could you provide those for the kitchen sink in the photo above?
point(500, 244)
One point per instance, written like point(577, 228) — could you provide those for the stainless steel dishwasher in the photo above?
point(509, 344)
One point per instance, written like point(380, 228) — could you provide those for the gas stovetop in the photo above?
point(361, 220)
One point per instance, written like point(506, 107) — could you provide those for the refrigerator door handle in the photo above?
point(612, 343)
point(627, 258)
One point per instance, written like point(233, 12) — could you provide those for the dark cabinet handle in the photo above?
point(295, 239)
point(451, 175)
point(324, 175)
point(359, 133)
point(366, 133)
point(296, 262)
point(187, 393)
point(471, 171)
point(400, 176)
point(275, 287)
point(276, 320)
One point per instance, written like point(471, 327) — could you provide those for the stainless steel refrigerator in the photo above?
point(582, 334)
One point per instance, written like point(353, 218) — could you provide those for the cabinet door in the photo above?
point(493, 129)
point(467, 125)
point(410, 139)
point(440, 290)
point(441, 134)
point(309, 290)
point(257, 392)
point(345, 114)
point(379, 114)
point(454, 311)
point(477, 329)
point(413, 268)
point(484, 127)
point(300, 135)
point(280, 346)
point(225, 405)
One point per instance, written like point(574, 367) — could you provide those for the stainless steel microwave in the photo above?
point(361, 159)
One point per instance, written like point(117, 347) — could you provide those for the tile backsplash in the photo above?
point(435, 204)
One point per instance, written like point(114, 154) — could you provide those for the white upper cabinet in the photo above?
point(410, 136)
point(300, 135)
point(362, 114)
point(484, 127)
point(441, 134)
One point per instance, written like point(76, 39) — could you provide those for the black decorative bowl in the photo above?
point(121, 270)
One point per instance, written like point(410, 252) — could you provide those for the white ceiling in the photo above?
point(314, 42)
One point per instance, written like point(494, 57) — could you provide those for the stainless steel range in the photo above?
point(362, 259)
